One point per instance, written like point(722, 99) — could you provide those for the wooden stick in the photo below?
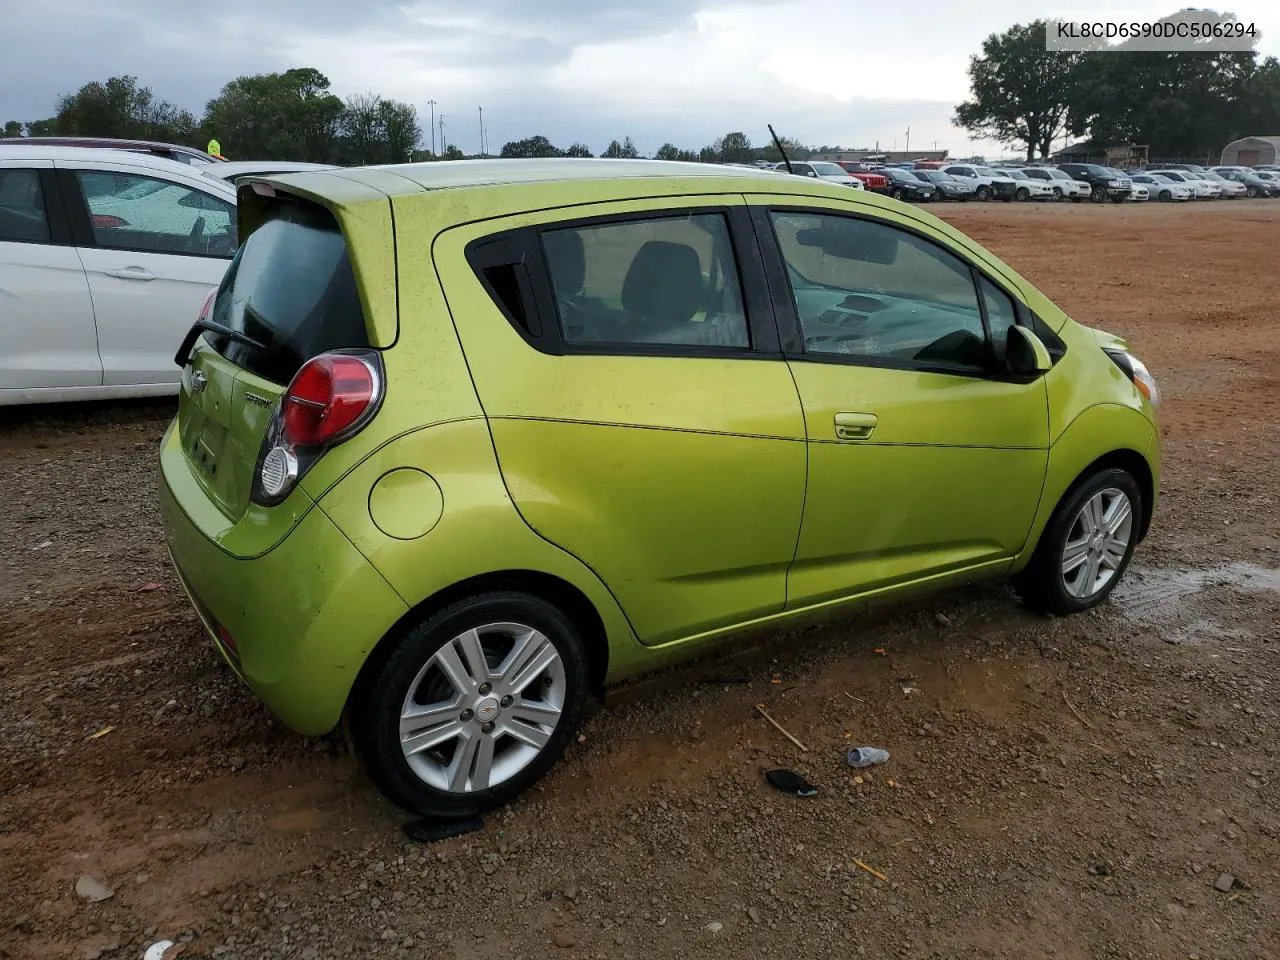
point(781, 729)
point(852, 697)
point(1079, 715)
point(875, 873)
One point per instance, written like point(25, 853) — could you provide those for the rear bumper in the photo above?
point(297, 622)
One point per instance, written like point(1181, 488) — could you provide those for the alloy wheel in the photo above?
point(1097, 543)
point(483, 707)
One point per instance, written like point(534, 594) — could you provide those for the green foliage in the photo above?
point(733, 148)
point(578, 150)
point(1177, 104)
point(278, 116)
point(120, 108)
point(13, 128)
point(538, 146)
point(375, 130)
point(1020, 92)
point(626, 150)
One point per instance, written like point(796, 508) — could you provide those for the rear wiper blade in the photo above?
point(183, 356)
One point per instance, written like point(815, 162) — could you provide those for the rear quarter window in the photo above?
point(291, 288)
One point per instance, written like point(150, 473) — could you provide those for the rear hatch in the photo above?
point(292, 290)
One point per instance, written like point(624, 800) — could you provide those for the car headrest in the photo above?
point(664, 281)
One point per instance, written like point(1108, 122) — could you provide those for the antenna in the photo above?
point(778, 143)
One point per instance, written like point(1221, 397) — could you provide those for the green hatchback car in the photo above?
point(459, 444)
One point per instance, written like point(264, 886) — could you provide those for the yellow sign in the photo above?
point(215, 148)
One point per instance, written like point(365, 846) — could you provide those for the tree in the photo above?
point(668, 151)
point(278, 116)
point(121, 108)
point(13, 128)
point(1178, 104)
point(708, 155)
point(39, 128)
point(538, 146)
point(733, 148)
point(626, 150)
point(375, 130)
point(452, 152)
point(1020, 92)
point(795, 151)
point(578, 150)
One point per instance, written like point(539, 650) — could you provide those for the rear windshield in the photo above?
point(290, 288)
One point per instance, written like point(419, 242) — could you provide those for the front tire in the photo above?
point(1057, 194)
point(1086, 546)
point(473, 706)
point(984, 192)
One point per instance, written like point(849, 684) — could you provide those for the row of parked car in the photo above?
point(929, 180)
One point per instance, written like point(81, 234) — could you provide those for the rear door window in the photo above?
point(669, 281)
point(292, 290)
point(22, 213)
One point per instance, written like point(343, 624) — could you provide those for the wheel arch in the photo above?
point(568, 598)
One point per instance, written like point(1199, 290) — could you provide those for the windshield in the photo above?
point(292, 289)
point(988, 172)
point(1172, 175)
point(830, 170)
point(937, 176)
point(1016, 174)
point(1057, 174)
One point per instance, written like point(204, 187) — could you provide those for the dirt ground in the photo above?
point(1068, 788)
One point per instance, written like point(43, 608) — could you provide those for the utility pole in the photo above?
point(442, 143)
point(481, 109)
point(908, 147)
point(432, 104)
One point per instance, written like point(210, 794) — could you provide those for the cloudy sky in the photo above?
point(822, 71)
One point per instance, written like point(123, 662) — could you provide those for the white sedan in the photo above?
point(823, 170)
point(1202, 189)
point(1162, 188)
point(106, 258)
point(1138, 192)
point(1231, 190)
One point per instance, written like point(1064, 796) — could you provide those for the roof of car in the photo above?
point(231, 169)
point(117, 143)
point(128, 158)
point(440, 175)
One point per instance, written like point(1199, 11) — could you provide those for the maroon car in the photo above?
point(171, 150)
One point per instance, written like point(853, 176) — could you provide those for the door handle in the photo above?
point(855, 426)
point(131, 273)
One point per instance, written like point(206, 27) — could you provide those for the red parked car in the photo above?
point(876, 182)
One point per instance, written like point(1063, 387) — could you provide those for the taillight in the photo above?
point(207, 310)
point(330, 399)
point(327, 396)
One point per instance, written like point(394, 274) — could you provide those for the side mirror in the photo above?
point(1026, 353)
point(810, 174)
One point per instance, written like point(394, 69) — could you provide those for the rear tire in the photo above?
point(1166, 196)
point(505, 720)
point(1022, 195)
point(1095, 527)
point(984, 192)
